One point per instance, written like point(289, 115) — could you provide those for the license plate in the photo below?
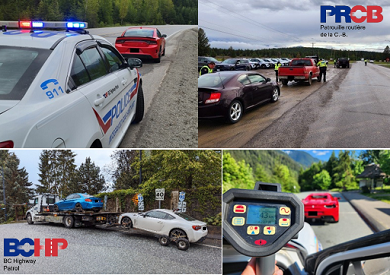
point(312, 213)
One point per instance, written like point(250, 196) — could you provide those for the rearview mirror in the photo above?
point(268, 79)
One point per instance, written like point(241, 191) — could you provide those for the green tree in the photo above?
point(236, 175)
point(322, 180)
point(17, 186)
point(261, 174)
point(122, 6)
point(344, 173)
point(122, 172)
point(57, 172)
point(384, 161)
point(370, 156)
point(203, 43)
point(175, 169)
point(90, 178)
point(330, 166)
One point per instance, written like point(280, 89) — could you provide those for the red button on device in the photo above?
point(260, 242)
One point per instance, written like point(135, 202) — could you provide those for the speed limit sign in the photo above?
point(160, 194)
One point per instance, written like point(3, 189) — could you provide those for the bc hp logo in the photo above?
point(357, 14)
point(27, 247)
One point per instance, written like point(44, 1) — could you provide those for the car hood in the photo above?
point(5, 105)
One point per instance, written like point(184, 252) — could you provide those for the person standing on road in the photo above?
point(365, 62)
point(277, 66)
point(207, 69)
point(323, 67)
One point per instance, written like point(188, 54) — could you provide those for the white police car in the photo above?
point(64, 88)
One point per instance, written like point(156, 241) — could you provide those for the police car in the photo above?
point(64, 88)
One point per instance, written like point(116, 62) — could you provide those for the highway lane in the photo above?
point(349, 227)
point(351, 110)
point(154, 74)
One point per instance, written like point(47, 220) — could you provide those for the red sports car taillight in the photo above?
point(214, 97)
point(88, 200)
point(196, 227)
point(330, 206)
point(7, 144)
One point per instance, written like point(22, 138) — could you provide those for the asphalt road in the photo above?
point(350, 110)
point(97, 250)
point(154, 76)
point(349, 227)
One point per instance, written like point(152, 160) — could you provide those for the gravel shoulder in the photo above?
point(171, 120)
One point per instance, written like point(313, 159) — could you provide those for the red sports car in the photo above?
point(141, 42)
point(321, 206)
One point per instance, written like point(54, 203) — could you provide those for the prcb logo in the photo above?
point(51, 247)
point(373, 13)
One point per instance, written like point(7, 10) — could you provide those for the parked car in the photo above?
point(262, 63)
point(79, 202)
point(270, 62)
point(230, 94)
point(168, 225)
point(321, 206)
point(232, 64)
point(342, 62)
point(204, 60)
point(142, 42)
point(255, 64)
point(300, 69)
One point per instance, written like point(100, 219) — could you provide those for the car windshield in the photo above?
point(212, 59)
point(139, 33)
point(186, 217)
point(18, 68)
point(215, 80)
point(317, 197)
point(229, 61)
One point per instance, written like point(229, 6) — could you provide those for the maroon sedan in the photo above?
point(229, 94)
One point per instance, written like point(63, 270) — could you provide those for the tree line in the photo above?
point(338, 172)
point(136, 170)
point(204, 49)
point(101, 13)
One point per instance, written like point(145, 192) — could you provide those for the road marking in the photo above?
point(212, 246)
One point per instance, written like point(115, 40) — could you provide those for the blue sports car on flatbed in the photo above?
point(79, 202)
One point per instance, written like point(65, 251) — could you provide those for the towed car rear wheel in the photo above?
point(177, 234)
point(275, 95)
point(56, 209)
point(126, 222)
point(235, 111)
point(78, 207)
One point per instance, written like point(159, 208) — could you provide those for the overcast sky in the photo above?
point(30, 160)
point(259, 24)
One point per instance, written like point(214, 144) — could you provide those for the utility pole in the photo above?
point(140, 167)
point(5, 204)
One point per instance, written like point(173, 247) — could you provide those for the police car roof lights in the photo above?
point(54, 25)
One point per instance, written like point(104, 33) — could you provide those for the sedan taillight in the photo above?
point(196, 227)
point(214, 97)
point(7, 144)
point(151, 42)
point(120, 42)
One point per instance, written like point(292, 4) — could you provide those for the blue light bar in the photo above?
point(37, 24)
point(75, 25)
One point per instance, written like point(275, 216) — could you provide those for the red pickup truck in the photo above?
point(299, 69)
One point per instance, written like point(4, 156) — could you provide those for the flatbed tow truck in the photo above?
point(43, 211)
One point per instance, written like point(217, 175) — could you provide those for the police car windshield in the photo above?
point(18, 68)
point(140, 33)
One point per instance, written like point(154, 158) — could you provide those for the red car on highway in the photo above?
point(321, 206)
point(141, 42)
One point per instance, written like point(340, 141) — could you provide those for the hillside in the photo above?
point(302, 157)
point(266, 158)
